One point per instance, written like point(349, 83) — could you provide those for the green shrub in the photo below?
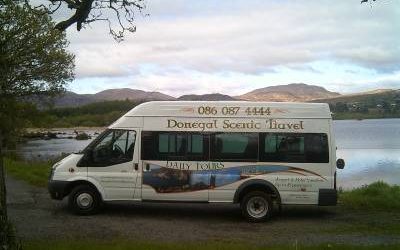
point(376, 196)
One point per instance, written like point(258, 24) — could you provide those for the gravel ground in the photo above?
point(37, 217)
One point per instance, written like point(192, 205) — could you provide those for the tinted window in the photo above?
point(174, 146)
point(234, 147)
point(114, 147)
point(163, 143)
point(272, 147)
point(289, 147)
point(195, 144)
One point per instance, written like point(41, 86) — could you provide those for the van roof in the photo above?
point(223, 109)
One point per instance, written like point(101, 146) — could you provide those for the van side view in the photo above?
point(257, 154)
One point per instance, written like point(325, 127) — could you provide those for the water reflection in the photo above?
point(364, 166)
point(54, 148)
point(371, 149)
point(51, 149)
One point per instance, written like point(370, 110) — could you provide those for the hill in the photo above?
point(369, 98)
point(295, 92)
point(131, 94)
point(71, 99)
point(207, 97)
point(366, 105)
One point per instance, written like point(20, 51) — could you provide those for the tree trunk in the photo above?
point(3, 206)
point(3, 200)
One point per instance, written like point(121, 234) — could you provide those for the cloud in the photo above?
point(247, 38)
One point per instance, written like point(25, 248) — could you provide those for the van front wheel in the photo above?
point(256, 206)
point(84, 200)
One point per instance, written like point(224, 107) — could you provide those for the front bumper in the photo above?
point(58, 189)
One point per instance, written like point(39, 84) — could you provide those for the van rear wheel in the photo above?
point(256, 206)
point(84, 200)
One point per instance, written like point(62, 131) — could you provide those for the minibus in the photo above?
point(256, 154)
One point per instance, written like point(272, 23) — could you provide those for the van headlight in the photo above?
point(56, 165)
point(53, 169)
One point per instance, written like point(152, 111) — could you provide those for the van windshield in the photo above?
point(94, 142)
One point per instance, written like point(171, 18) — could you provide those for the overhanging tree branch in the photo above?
point(119, 14)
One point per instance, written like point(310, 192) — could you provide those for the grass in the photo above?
point(367, 225)
point(125, 245)
point(35, 173)
point(376, 196)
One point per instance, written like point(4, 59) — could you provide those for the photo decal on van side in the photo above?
point(170, 180)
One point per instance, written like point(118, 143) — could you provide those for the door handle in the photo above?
point(136, 166)
point(147, 167)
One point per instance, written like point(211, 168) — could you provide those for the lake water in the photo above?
point(371, 149)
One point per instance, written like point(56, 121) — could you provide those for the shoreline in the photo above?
point(55, 129)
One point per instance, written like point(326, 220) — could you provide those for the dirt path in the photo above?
point(36, 216)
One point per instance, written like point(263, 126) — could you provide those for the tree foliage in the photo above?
point(33, 56)
point(33, 61)
point(118, 14)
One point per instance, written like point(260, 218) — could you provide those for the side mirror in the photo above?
point(340, 163)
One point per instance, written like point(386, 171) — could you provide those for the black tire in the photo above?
point(256, 206)
point(84, 200)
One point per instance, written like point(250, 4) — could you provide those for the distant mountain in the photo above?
point(207, 97)
point(131, 94)
point(71, 99)
point(295, 92)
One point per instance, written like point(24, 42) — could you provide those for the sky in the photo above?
point(232, 47)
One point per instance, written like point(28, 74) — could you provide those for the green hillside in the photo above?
point(91, 115)
point(383, 104)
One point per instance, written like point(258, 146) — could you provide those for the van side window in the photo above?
point(163, 143)
point(195, 144)
point(174, 146)
point(295, 148)
point(115, 147)
point(234, 147)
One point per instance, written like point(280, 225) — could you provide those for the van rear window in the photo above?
point(291, 147)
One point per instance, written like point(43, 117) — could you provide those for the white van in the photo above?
point(254, 153)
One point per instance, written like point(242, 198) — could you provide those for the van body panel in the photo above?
point(67, 169)
point(215, 179)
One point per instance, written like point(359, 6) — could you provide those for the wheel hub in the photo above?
point(257, 207)
point(84, 200)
